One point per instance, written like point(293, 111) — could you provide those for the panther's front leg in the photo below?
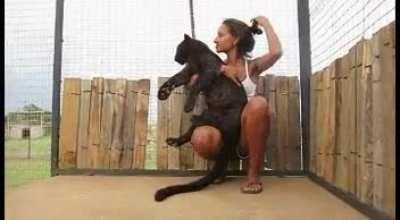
point(181, 78)
point(203, 83)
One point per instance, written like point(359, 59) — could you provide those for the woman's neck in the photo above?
point(233, 57)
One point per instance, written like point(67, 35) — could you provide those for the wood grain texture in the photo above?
point(69, 123)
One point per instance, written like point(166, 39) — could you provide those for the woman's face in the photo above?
point(224, 40)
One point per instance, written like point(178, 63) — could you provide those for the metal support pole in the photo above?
point(192, 19)
point(56, 84)
point(305, 74)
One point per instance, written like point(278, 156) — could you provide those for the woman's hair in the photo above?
point(244, 33)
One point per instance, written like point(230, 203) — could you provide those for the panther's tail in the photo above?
point(197, 185)
point(218, 170)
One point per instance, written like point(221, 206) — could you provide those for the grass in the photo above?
point(18, 148)
point(151, 148)
point(18, 169)
point(23, 171)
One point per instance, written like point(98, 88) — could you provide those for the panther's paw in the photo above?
point(160, 195)
point(165, 90)
point(189, 106)
point(173, 141)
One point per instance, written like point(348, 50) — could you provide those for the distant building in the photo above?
point(25, 124)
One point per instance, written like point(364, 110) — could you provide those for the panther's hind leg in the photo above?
point(176, 142)
point(197, 120)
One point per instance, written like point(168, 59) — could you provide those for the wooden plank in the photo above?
point(331, 123)
point(141, 118)
point(312, 150)
point(360, 115)
point(317, 93)
point(339, 169)
point(129, 124)
point(377, 124)
point(342, 135)
point(83, 132)
point(271, 142)
point(162, 129)
point(282, 90)
point(260, 89)
point(94, 122)
point(118, 91)
point(326, 147)
point(294, 127)
point(175, 108)
point(106, 125)
point(334, 114)
point(199, 163)
point(351, 117)
point(186, 151)
point(364, 122)
point(319, 124)
point(69, 123)
point(387, 63)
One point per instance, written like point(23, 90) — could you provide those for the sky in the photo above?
point(137, 39)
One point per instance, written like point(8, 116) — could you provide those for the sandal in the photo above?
point(252, 188)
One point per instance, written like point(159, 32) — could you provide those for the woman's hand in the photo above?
point(230, 72)
point(261, 20)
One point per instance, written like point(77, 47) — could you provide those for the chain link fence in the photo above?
point(335, 26)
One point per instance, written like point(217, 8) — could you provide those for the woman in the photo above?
point(235, 39)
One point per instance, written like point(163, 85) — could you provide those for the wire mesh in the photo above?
point(335, 26)
point(29, 40)
point(282, 15)
point(137, 39)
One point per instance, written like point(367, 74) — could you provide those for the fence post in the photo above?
point(192, 18)
point(305, 73)
point(8, 125)
point(57, 59)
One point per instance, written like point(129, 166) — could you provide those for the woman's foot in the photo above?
point(251, 187)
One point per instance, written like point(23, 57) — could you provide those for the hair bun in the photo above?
point(254, 27)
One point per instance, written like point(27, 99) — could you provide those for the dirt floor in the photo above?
point(127, 197)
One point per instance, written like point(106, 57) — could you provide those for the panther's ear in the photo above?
point(187, 37)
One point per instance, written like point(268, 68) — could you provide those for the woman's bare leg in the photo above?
point(206, 141)
point(255, 128)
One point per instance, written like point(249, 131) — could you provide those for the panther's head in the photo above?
point(183, 49)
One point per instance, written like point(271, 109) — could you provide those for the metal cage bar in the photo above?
point(57, 62)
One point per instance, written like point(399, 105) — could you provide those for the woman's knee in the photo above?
point(258, 104)
point(206, 141)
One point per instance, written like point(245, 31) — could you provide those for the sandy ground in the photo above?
point(131, 197)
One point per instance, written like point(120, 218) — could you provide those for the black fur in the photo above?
point(225, 101)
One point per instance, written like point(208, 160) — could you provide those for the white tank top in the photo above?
point(249, 86)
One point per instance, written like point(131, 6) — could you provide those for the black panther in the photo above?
point(225, 101)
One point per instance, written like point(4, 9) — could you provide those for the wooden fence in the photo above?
point(352, 121)
point(283, 145)
point(103, 123)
